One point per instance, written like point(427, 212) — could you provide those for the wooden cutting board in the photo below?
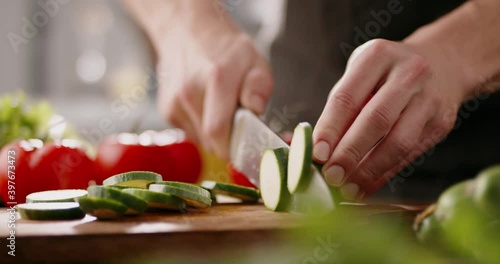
point(197, 232)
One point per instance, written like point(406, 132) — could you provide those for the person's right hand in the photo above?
point(206, 68)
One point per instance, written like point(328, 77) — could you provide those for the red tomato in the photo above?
point(38, 167)
point(66, 162)
point(167, 153)
point(240, 178)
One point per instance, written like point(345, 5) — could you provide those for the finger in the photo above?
point(257, 87)
point(401, 143)
point(371, 125)
point(348, 96)
point(191, 100)
point(221, 97)
point(173, 112)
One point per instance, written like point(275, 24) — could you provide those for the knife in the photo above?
point(250, 137)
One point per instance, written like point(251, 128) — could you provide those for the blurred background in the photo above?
point(88, 58)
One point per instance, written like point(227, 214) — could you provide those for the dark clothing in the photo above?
point(309, 56)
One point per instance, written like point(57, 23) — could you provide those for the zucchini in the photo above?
point(103, 209)
point(135, 179)
point(249, 195)
point(50, 211)
point(187, 186)
point(273, 179)
point(55, 196)
point(135, 205)
point(193, 199)
point(300, 158)
point(158, 200)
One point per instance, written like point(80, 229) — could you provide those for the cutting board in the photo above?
point(196, 232)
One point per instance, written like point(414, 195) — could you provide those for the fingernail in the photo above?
point(349, 191)
point(334, 175)
point(321, 151)
point(258, 103)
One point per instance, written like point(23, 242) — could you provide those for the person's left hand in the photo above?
point(394, 102)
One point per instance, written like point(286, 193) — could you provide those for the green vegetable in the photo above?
point(193, 199)
point(135, 205)
point(103, 209)
point(273, 179)
point(300, 158)
point(136, 179)
point(50, 211)
point(246, 194)
point(158, 200)
point(186, 186)
point(18, 121)
point(55, 196)
point(487, 192)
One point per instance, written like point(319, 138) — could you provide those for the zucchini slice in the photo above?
point(300, 158)
point(249, 195)
point(50, 211)
point(135, 179)
point(187, 186)
point(135, 205)
point(273, 186)
point(193, 199)
point(103, 209)
point(55, 196)
point(157, 200)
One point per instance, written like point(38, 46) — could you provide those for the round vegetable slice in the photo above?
point(246, 194)
point(136, 179)
point(50, 211)
point(103, 209)
point(273, 187)
point(186, 186)
point(300, 158)
point(158, 200)
point(135, 205)
point(192, 199)
point(55, 196)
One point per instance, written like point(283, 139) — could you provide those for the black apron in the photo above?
point(310, 54)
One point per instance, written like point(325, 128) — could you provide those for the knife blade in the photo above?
point(250, 137)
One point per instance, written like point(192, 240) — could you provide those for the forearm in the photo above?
point(159, 17)
point(468, 38)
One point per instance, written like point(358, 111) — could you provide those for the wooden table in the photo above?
point(195, 233)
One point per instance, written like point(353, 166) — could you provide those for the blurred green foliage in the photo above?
point(21, 120)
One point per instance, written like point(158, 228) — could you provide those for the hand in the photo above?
point(394, 102)
point(206, 69)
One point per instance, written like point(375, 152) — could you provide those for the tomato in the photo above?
point(37, 167)
point(239, 178)
point(167, 152)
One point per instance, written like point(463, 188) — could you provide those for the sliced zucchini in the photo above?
point(103, 209)
point(135, 179)
point(317, 197)
point(187, 186)
point(300, 158)
point(157, 200)
point(249, 195)
point(273, 186)
point(193, 199)
point(50, 211)
point(55, 196)
point(135, 205)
